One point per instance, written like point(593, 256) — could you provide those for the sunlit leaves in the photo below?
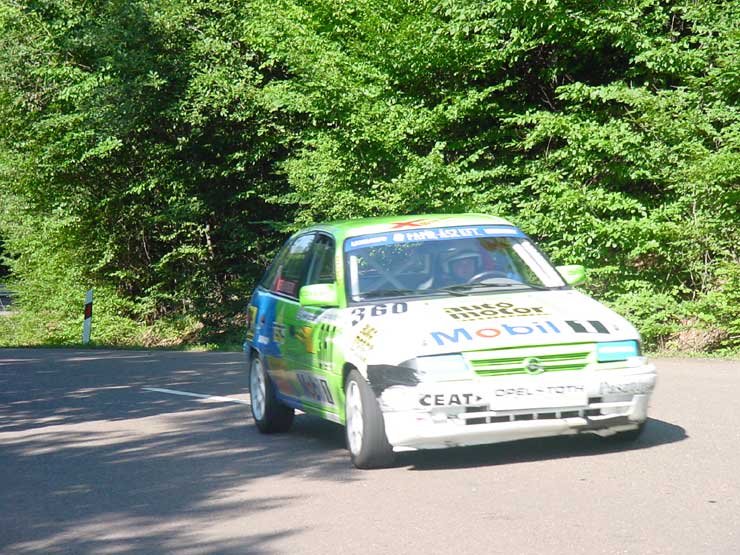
point(183, 139)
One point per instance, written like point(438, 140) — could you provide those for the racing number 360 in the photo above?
point(359, 313)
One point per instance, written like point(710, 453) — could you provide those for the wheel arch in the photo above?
point(346, 369)
point(250, 352)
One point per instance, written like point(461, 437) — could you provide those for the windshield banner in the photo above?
point(431, 234)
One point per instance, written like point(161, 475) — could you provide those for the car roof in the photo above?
point(364, 226)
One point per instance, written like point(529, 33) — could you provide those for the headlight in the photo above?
point(442, 368)
point(614, 351)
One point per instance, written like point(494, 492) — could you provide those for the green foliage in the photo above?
point(658, 313)
point(159, 150)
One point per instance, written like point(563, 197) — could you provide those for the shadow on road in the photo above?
point(39, 387)
point(657, 432)
point(92, 463)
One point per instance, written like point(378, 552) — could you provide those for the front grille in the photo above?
point(551, 358)
point(484, 415)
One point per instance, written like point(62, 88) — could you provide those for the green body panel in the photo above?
point(305, 360)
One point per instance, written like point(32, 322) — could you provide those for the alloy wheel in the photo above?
point(354, 417)
point(257, 389)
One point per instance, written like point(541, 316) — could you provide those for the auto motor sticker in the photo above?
point(488, 311)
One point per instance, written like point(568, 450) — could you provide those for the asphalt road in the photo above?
point(92, 462)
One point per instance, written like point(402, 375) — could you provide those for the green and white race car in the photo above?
point(437, 331)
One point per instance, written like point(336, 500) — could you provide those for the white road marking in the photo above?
point(188, 394)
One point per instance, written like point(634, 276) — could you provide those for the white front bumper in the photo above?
point(612, 401)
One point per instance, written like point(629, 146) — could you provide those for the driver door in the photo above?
point(314, 337)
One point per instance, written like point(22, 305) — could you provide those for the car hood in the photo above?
point(397, 330)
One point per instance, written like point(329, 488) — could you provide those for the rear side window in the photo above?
point(269, 278)
point(287, 272)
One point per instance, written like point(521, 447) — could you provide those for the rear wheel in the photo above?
point(270, 415)
point(364, 427)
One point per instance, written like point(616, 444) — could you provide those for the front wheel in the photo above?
point(364, 427)
point(270, 415)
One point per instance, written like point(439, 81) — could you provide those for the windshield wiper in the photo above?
point(463, 287)
point(535, 286)
point(392, 293)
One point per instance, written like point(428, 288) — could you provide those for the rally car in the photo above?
point(437, 331)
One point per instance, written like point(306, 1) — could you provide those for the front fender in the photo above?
point(383, 376)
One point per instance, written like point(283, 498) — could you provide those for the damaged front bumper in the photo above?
point(493, 410)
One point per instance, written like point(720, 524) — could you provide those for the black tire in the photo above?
point(366, 439)
point(628, 435)
point(270, 415)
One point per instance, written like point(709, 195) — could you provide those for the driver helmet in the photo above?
point(462, 259)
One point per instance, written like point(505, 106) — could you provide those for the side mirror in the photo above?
point(573, 274)
point(319, 294)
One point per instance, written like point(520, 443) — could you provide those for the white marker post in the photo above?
point(87, 324)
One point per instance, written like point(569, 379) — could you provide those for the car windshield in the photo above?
point(444, 261)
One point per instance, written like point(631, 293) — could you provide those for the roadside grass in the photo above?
point(713, 355)
point(170, 336)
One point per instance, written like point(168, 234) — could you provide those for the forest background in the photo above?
point(159, 151)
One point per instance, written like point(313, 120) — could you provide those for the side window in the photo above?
point(268, 280)
point(322, 262)
point(286, 274)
